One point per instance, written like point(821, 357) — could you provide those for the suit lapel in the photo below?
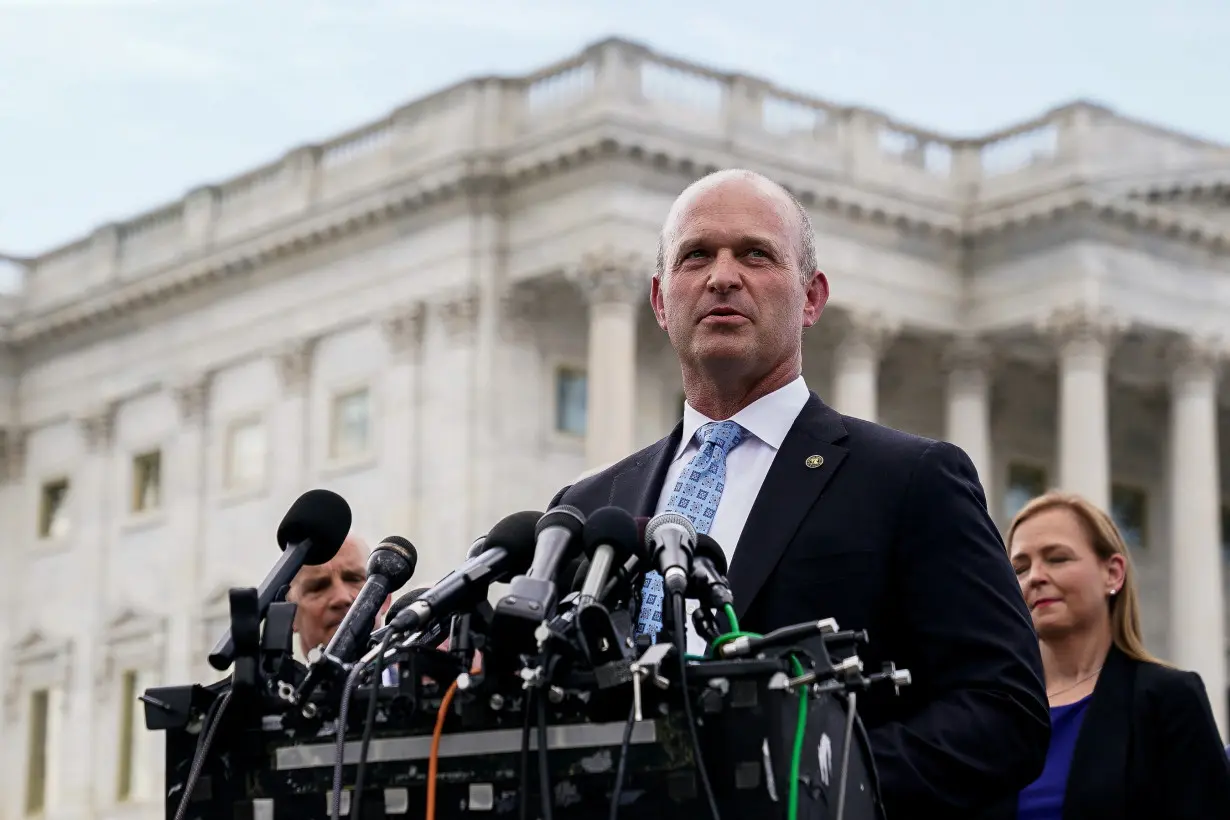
point(637, 488)
point(1098, 773)
point(808, 458)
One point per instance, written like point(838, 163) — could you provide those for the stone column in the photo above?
point(402, 452)
point(186, 497)
point(968, 410)
point(290, 430)
point(856, 364)
point(93, 500)
point(1084, 338)
point(616, 287)
point(1197, 608)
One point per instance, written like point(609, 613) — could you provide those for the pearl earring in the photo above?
point(1114, 592)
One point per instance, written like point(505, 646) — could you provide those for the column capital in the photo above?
point(608, 276)
point(966, 352)
point(191, 394)
point(293, 361)
point(521, 308)
point(402, 328)
point(98, 426)
point(1194, 358)
point(458, 313)
point(1082, 327)
point(12, 453)
point(863, 332)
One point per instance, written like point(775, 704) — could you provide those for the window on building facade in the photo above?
point(570, 401)
point(351, 434)
point(53, 519)
point(1025, 482)
point(36, 752)
point(1129, 510)
point(126, 762)
point(246, 455)
point(147, 481)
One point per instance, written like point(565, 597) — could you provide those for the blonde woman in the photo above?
point(1131, 737)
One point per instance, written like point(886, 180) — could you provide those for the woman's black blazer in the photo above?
point(1148, 749)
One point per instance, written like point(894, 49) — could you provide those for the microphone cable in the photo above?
point(796, 754)
point(680, 650)
point(622, 770)
point(369, 726)
point(209, 727)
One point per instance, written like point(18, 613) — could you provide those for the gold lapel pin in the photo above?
point(814, 461)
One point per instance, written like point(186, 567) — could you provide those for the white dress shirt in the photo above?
point(766, 422)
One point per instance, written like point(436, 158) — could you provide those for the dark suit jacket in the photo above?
point(890, 534)
point(1148, 749)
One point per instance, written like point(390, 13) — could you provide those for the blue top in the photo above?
point(1043, 799)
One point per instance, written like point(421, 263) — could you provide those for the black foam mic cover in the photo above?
point(321, 516)
point(516, 533)
point(402, 602)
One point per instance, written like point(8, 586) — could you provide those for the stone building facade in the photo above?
point(443, 316)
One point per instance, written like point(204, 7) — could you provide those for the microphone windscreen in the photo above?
point(321, 516)
point(517, 534)
point(403, 602)
point(570, 518)
point(614, 527)
point(706, 547)
point(642, 523)
point(395, 557)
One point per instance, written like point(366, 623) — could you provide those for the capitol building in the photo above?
point(443, 316)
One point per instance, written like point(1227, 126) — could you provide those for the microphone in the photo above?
point(671, 539)
point(389, 567)
point(476, 549)
point(311, 533)
point(531, 597)
point(509, 549)
point(624, 573)
point(610, 538)
point(394, 610)
point(708, 583)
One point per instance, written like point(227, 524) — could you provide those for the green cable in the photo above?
point(796, 756)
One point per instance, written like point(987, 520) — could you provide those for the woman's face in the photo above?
point(1065, 584)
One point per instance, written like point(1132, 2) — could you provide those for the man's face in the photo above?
point(325, 592)
point(733, 295)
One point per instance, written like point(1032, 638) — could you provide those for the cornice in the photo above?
point(534, 161)
point(1133, 215)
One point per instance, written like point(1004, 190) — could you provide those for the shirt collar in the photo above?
point(769, 418)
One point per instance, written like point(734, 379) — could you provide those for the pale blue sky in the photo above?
point(110, 108)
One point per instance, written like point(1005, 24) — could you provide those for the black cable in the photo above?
point(681, 643)
point(209, 726)
point(352, 681)
point(851, 702)
point(546, 798)
point(369, 726)
point(525, 755)
point(622, 770)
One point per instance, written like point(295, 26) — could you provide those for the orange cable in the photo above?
point(433, 762)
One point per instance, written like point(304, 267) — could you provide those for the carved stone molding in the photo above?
point(458, 313)
point(967, 360)
point(402, 328)
point(1194, 359)
point(521, 310)
point(36, 661)
point(12, 454)
point(293, 361)
point(864, 334)
point(98, 426)
point(191, 394)
point(609, 276)
point(967, 353)
point(1083, 329)
point(133, 639)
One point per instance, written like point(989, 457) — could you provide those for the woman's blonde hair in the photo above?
point(1106, 541)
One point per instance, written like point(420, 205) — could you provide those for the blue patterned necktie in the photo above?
point(695, 495)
